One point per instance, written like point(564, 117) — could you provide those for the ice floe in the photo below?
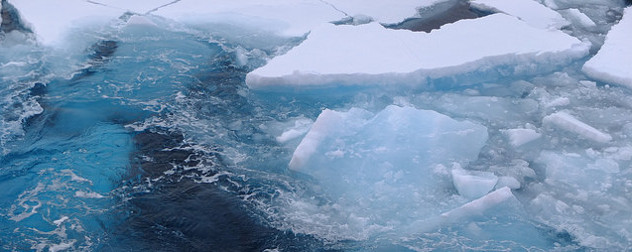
point(529, 11)
point(612, 62)
point(373, 55)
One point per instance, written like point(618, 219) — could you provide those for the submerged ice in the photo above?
point(315, 125)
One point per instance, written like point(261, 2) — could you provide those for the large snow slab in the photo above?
point(372, 54)
point(529, 11)
point(613, 61)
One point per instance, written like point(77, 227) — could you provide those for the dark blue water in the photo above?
point(127, 145)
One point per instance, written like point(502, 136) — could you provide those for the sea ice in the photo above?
point(586, 194)
point(372, 55)
point(385, 165)
point(612, 62)
point(529, 11)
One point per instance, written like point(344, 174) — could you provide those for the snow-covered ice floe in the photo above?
point(373, 55)
point(529, 11)
point(613, 63)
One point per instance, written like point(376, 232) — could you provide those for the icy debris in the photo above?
point(473, 184)
point(586, 195)
point(519, 137)
point(529, 11)
point(347, 55)
point(579, 18)
point(569, 123)
point(613, 62)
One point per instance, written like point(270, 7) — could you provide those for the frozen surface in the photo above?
point(612, 62)
point(371, 54)
point(529, 11)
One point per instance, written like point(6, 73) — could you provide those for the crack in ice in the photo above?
point(162, 6)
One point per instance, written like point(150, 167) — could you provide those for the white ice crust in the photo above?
point(529, 11)
point(372, 54)
point(613, 62)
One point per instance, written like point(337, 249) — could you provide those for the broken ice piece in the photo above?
point(473, 184)
point(569, 123)
point(519, 137)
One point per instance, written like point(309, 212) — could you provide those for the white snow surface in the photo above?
point(613, 62)
point(372, 54)
point(281, 17)
point(529, 11)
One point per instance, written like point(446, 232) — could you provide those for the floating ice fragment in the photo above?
point(479, 205)
point(579, 18)
point(60, 220)
point(529, 11)
point(569, 123)
point(473, 184)
point(613, 62)
point(519, 137)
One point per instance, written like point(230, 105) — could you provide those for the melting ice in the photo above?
point(315, 125)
